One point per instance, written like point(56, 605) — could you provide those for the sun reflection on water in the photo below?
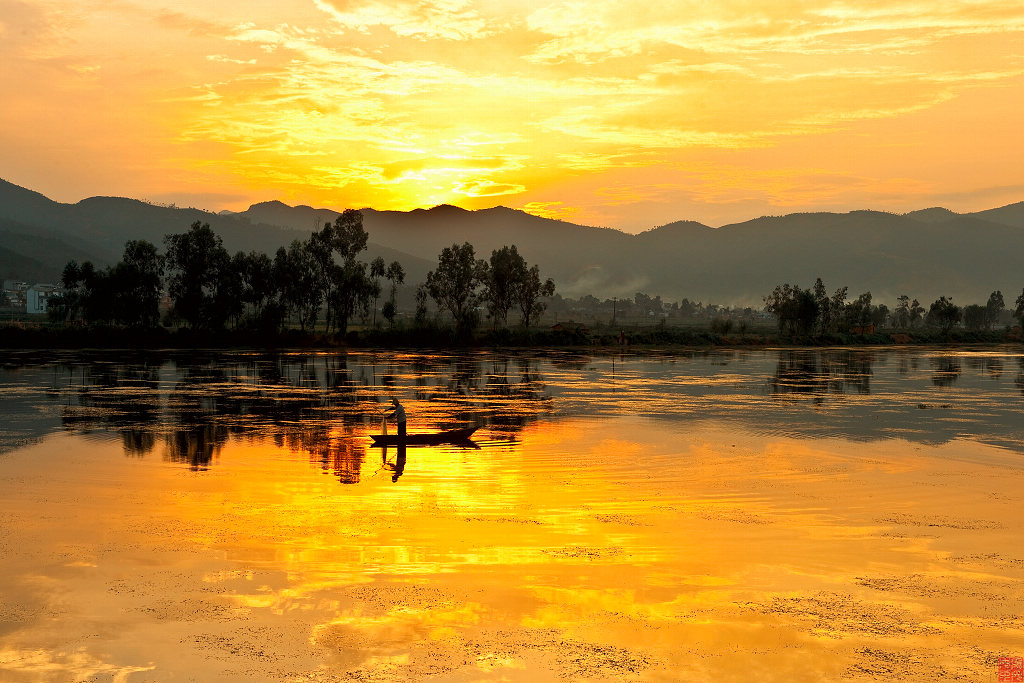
point(660, 522)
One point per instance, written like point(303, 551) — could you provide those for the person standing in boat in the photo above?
point(399, 414)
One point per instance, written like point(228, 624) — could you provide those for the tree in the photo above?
point(793, 306)
point(901, 316)
point(837, 307)
point(319, 259)
point(300, 285)
point(916, 312)
point(396, 275)
point(455, 284)
point(994, 308)
point(504, 276)
point(1018, 312)
point(196, 262)
point(351, 288)
point(975, 317)
point(352, 291)
point(422, 295)
point(780, 303)
point(529, 295)
point(259, 288)
point(860, 311)
point(824, 307)
point(67, 305)
point(136, 284)
point(944, 313)
point(377, 271)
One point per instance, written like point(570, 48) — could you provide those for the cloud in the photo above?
point(487, 188)
point(412, 103)
point(437, 19)
point(555, 210)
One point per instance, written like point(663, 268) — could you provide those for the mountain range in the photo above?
point(924, 253)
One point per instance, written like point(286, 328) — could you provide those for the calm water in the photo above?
point(787, 515)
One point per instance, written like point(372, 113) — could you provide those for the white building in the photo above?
point(37, 298)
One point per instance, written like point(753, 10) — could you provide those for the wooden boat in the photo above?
point(449, 436)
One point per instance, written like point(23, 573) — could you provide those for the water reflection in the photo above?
point(946, 370)
point(397, 465)
point(186, 406)
point(820, 373)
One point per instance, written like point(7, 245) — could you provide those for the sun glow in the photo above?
point(620, 113)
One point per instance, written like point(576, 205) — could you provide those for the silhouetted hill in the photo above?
point(96, 229)
point(1011, 214)
point(924, 254)
point(936, 214)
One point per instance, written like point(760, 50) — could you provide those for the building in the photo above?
point(37, 297)
point(15, 291)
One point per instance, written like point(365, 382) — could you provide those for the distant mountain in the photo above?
point(1011, 214)
point(936, 214)
point(41, 235)
point(924, 254)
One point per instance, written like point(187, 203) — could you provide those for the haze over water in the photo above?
point(784, 515)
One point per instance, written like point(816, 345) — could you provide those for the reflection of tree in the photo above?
point(907, 363)
point(137, 442)
point(945, 370)
point(317, 404)
point(1020, 374)
point(341, 454)
point(195, 446)
point(820, 373)
point(120, 398)
point(989, 365)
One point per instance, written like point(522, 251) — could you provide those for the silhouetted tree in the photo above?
point(1018, 311)
point(505, 274)
point(351, 289)
point(420, 318)
point(197, 263)
point(136, 284)
point(455, 284)
point(396, 275)
point(837, 308)
point(944, 313)
point(824, 307)
point(302, 288)
point(994, 308)
point(860, 311)
point(793, 306)
point(975, 317)
point(259, 290)
point(377, 271)
point(530, 294)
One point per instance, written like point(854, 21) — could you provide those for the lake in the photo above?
point(732, 515)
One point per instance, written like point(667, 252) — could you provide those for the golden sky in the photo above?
point(604, 112)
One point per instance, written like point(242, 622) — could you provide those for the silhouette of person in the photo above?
point(399, 413)
point(398, 466)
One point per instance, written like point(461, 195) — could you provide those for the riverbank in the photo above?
point(28, 336)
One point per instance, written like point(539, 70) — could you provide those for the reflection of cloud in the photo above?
point(78, 663)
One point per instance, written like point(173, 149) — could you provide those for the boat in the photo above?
point(455, 436)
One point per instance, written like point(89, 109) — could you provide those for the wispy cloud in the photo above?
point(604, 105)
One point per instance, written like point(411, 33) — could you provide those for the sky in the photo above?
point(605, 112)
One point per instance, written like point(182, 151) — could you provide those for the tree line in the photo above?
point(319, 280)
point(814, 312)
